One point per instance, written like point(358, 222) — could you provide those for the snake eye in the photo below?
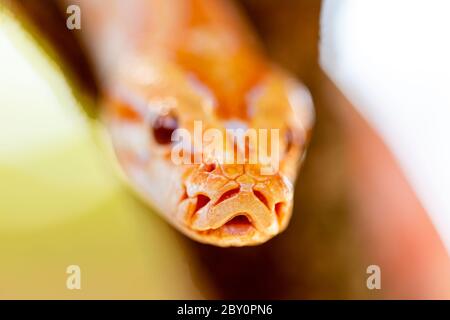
point(163, 127)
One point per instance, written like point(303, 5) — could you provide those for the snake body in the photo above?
point(166, 64)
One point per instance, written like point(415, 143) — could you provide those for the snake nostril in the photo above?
point(227, 195)
point(184, 195)
point(280, 210)
point(209, 167)
point(261, 198)
point(202, 201)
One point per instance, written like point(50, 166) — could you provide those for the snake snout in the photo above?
point(240, 208)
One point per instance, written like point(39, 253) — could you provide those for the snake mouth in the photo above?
point(234, 210)
point(239, 225)
point(237, 218)
point(237, 231)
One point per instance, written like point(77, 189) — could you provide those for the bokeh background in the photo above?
point(63, 203)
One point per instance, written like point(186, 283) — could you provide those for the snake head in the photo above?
point(227, 183)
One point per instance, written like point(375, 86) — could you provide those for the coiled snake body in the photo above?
point(168, 64)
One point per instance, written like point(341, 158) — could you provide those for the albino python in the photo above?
point(164, 64)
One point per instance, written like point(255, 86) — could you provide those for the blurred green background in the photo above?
point(61, 202)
